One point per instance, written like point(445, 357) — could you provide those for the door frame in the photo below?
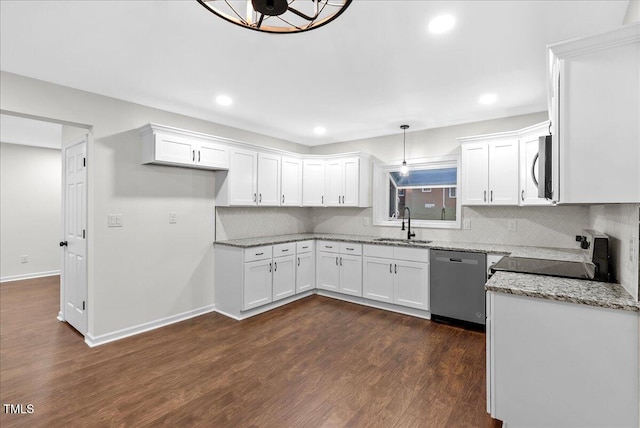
point(85, 139)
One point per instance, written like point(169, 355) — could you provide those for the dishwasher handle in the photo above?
point(456, 260)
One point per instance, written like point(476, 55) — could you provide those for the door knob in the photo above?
point(63, 243)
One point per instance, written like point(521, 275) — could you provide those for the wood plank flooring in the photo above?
point(317, 362)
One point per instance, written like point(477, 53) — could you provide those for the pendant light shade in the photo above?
point(404, 169)
point(277, 16)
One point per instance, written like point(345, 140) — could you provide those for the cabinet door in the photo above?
point(528, 188)
point(305, 272)
point(257, 284)
point(411, 284)
point(243, 168)
point(351, 275)
point(268, 180)
point(334, 183)
point(377, 282)
point(351, 168)
point(174, 149)
point(284, 277)
point(475, 174)
point(313, 183)
point(328, 271)
point(503, 172)
point(291, 183)
point(212, 155)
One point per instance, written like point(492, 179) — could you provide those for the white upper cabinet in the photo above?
point(594, 94)
point(313, 182)
point(489, 171)
point(529, 164)
point(268, 179)
point(242, 178)
point(347, 182)
point(169, 146)
point(291, 182)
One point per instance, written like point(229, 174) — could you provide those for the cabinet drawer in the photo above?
point(257, 253)
point(411, 254)
point(288, 249)
point(329, 246)
point(381, 251)
point(304, 247)
point(348, 248)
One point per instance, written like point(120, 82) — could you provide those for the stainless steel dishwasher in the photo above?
point(457, 286)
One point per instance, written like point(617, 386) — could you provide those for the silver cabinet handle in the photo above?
point(322, 199)
point(336, 261)
point(522, 195)
point(259, 254)
point(275, 264)
point(254, 197)
point(270, 267)
point(285, 250)
point(198, 155)
point(492, 196)
point(298, 261)
point(193, 155)
point(283, 199)
point(350, 249)
point(260, 199)
point(485, 196)
point(328, 246)
point(306, 246)
point(343, 199)
point(339, 199)
point(390, 267)
point(395, 267)
point(340, 261)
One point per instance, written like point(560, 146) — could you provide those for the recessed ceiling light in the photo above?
point(488, 99)
point(224, 100)
point(319, 130)
point(441, 24)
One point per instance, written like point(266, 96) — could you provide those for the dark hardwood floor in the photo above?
point(316, 362)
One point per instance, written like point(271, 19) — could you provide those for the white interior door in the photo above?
point(74, 215)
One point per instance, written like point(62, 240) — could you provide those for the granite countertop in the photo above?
point(513, 250)
point(592, 293)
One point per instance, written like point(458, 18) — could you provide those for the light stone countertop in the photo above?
point(592, 293)
point(574, 255)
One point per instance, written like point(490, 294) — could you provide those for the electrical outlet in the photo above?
point(466, 224)
point(173, 218)
point(365, 221)
point(511, 225)
point(114, 220)
point(24, 259)
point(631, 250)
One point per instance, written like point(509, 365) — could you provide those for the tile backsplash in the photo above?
point(535, 226)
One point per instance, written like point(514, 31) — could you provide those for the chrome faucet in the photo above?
point(409, 234)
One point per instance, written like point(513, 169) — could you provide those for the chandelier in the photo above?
point(277, 16)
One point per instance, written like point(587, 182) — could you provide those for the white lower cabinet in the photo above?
point(284, 277)
point(340, 267)
point(388, 278)
point(257, 284)
point(305, 268)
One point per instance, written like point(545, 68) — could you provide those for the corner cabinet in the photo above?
point(163, 145)
point(594, 104)
point(253, 179)
point(337, 181)
point(340, 267)
point(489, 170)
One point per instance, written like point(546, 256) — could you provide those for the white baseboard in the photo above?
point(268, 307)
point(29, 276)
point(418, 313)
point(92, 340)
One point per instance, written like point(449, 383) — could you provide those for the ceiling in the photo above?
point(363, 75)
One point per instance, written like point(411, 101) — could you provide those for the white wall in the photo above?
point(148, 269)
point(30, 184)
point(621, 223)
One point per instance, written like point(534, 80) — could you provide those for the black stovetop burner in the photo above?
point(563, 269)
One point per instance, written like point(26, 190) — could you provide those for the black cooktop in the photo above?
point(563, 269)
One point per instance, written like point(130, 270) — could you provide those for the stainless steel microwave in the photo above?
point(544, 158)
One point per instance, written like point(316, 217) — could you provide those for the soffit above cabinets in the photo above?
point(29, 132)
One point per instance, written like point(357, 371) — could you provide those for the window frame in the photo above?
point(381, 187)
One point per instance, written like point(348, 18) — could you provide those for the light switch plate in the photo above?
point(173, 218)
point(511, 225)
point(24, 259)
point(466, 224)
point(114, 220)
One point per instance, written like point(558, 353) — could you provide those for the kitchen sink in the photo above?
point(402, 240)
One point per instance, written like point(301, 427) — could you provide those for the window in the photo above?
point(429, 191)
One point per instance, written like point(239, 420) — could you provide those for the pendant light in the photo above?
point(404, 169)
